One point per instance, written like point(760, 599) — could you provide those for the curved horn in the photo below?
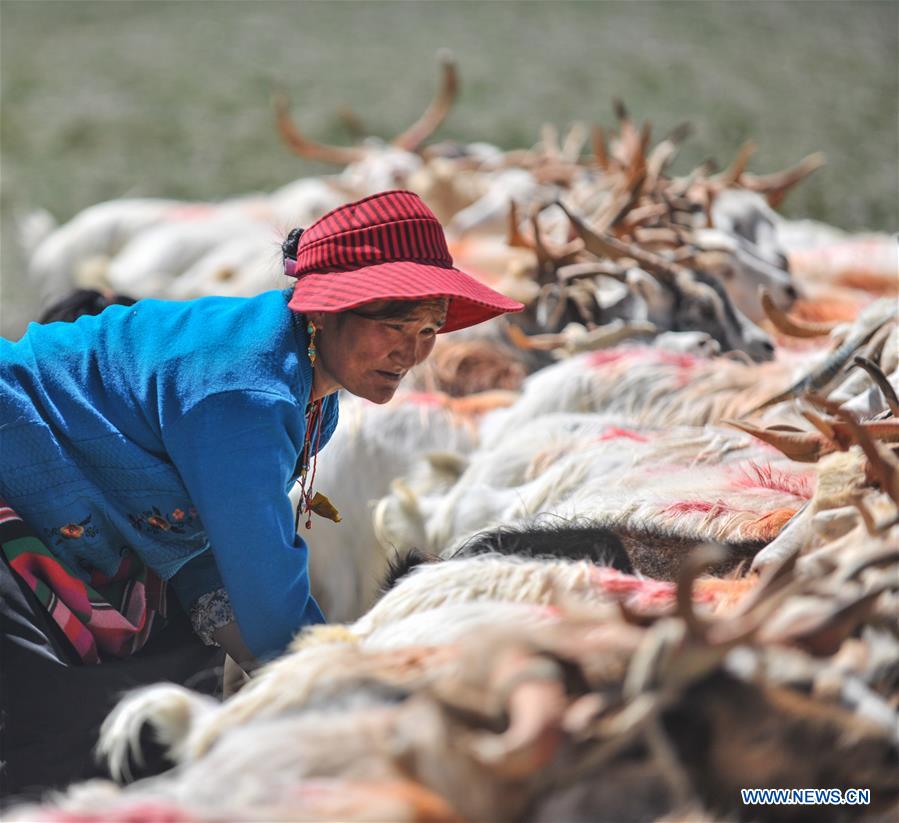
point(607, 246)
point(664, 153)
point(303, 146)
point(819, 377)
point(549, 141)
point(884, 464)
point(514, 237)
point(732, 174)
point(880, 557)
point(434, 115)
point(695, 563)
point(774, 186)
point(546, 266)
point(534, 342)
point(574, 142)
point(600, 150)
point(576, 271)
point(801, 446)
point(794, 328)
point(880, 379)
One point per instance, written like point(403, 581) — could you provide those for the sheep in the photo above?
point(641, 484)
point(585, 701)
point(372, 446)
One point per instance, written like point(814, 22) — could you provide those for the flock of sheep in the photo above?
point(615, 560)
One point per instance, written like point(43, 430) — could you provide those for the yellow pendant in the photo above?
point(324, 507)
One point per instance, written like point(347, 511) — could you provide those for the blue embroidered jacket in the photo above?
point(169, 429)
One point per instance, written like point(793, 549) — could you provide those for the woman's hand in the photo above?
point(230, 639)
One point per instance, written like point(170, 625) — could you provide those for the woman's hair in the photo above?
point(82, 302)
point(398, 309)
point(289, 246)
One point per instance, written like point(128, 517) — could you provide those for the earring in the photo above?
point(310, 327)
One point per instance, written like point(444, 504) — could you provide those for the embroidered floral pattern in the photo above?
point(211, 611)
point(154, 520)
point(71, 531)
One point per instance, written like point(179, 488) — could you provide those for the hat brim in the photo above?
point(470, 301)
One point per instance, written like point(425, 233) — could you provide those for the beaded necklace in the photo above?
point(309, 455)
point(309, 459)
point(311, 500)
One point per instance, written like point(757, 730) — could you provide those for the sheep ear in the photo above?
point(407, 498)
point(447, 464)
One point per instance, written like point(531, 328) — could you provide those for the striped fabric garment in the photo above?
point(111, 617)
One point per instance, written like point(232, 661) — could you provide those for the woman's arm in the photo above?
point(229, 638)
point(236, 452)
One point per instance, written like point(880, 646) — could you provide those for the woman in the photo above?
point(156, 444)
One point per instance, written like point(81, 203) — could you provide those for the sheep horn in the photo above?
point(775, 575)
point(787, 546)
point(825, 427)
point(549, 141)
point(802, 446)
point(546, 265)
point(610, 334)
point(695, 564)
point(785, 324)
point(574, 142)
point(879, 558)
point(514, 236)
point(732, 174)
point(774, 186)
point(536, 703)
point(303, 146)
point(536, 342)
point(883, 463)
point(825, 638)
point(621, 112)
point(664, 153)
point(608, 246)
point(821, 376)
point(600, 150)
point(576, 271)
point(880, 379)
point(352, 122)
point(435, 114)
point(867, 517)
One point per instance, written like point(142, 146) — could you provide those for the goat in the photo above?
point(588, 703)
point(640, 484)
point(372, 446)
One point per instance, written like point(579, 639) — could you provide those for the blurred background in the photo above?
point(103, 100)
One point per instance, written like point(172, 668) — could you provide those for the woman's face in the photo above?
point(368, 356)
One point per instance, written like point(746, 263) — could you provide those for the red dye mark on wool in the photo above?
point(754, 475)
point(712, 509)
point(606, 357)
point(615, 433)
point(425, 399)
point(769, 525)
point(680, 360)
point(641, 592)
point(146, 812)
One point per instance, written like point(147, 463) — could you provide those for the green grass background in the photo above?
point(110, 99)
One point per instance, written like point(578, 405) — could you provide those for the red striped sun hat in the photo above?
point(389, 246)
